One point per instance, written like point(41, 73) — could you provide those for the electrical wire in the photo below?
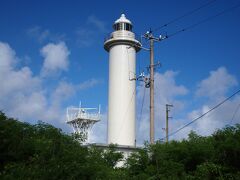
point(126, 113)
point(203, 21)
point(184, 15)
point(191, 122)
point(140, 118)
point(142, 44)
point(129, 71)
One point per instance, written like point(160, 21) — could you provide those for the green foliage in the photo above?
point(42, 151)
point(209, 170)
point(214, 157)
point(138, 164)
point(227, 147)
point(112, 157)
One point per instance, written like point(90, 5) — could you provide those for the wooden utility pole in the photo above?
point(149, 36)
point(167, 118)
point(151, 92)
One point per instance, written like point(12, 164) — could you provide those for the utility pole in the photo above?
point(167, 118)
point(151, 91)
point(149, 36)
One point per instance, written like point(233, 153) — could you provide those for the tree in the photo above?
point(42, 151)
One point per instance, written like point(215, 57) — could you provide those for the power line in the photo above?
point(185, 15)
point(215, 107)
point(203, 21)
point(142, 104)
point(126, 113)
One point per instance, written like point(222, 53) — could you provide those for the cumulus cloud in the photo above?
point(12, 79)
point(7, 56)
point(63, 91)
point(214, 87)
point(217, 84)
point(23, 95)
point(166, 92)
point(55, 58)
point(19, 87)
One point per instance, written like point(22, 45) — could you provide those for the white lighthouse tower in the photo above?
point(122, 47)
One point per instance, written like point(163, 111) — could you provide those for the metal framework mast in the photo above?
point(82, 119)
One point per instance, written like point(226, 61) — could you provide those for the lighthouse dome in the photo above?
point(122, 24)
point(122, 19)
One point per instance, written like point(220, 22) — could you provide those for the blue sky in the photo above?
point(52, 56)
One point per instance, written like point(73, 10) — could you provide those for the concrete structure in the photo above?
point(122, 47)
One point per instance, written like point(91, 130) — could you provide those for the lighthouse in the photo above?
point(122, 47)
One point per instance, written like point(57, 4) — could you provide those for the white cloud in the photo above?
point(7, 57)
point(13, 80)
point(215, 87)
point(55, 58)
point(166, 92)
point(217, 119)
point(89, 83)
point(24, 95)
point(38, 33)
point(90, 31)
point(98, 134)
point(29, 106)
point(63, 91)
point(217, 84)
point(21, 93)
point(42, 35)
point(99, 24)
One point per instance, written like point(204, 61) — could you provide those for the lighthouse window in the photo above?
point(128, 27)
point(118, 26)
point(123, 26)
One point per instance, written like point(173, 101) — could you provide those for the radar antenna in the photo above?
point(82, 119)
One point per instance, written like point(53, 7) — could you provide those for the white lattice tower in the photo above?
point(82, 119)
